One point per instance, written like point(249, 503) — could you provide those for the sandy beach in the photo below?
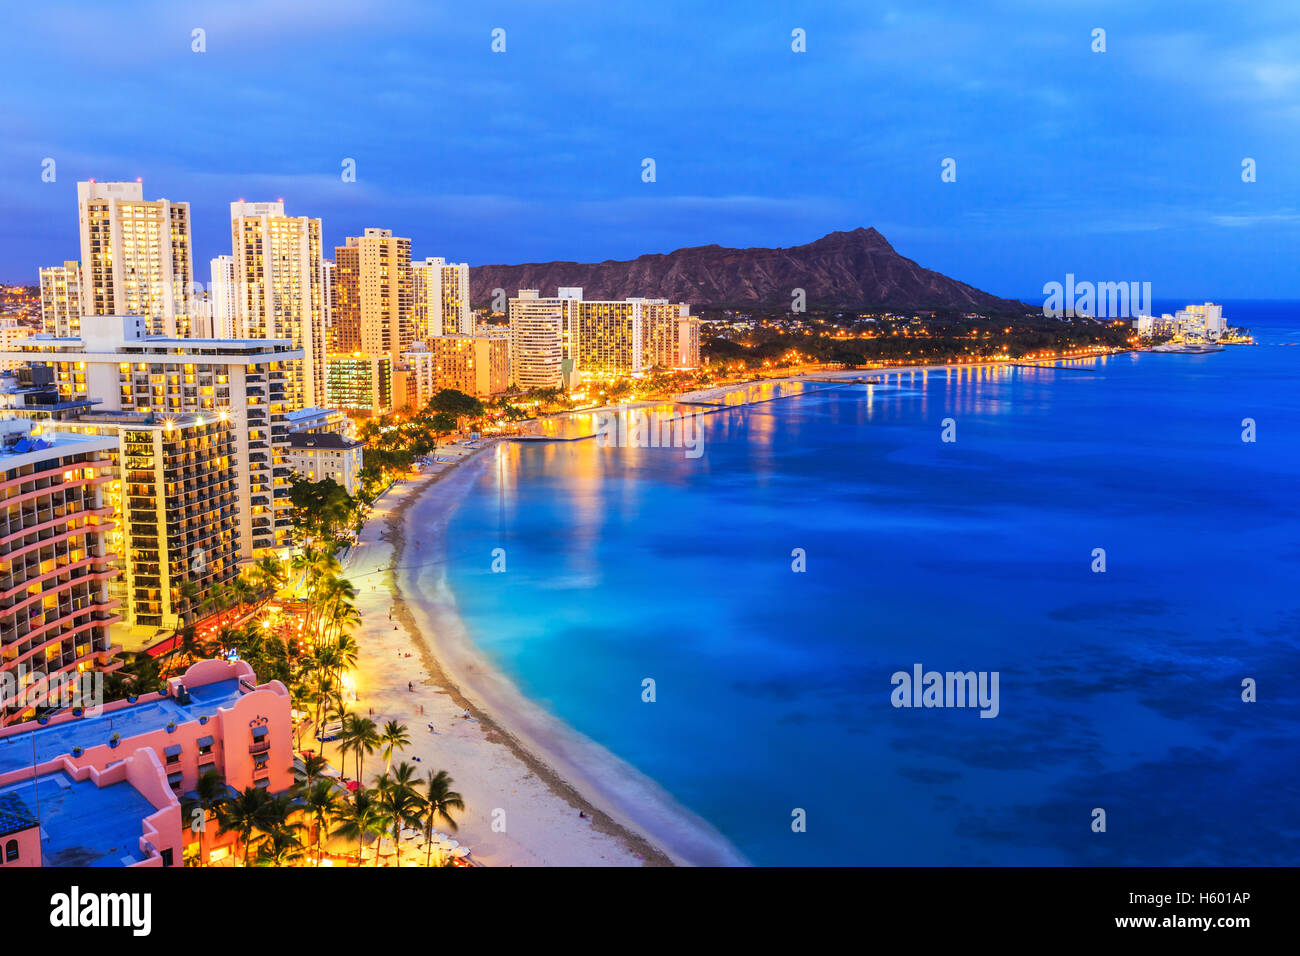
point(529, 784)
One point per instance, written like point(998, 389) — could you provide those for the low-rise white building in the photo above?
point(320, 455)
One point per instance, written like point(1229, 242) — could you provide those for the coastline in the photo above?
point(619, 801)
point(518, 812)
point(581, 804)
point(830, 377)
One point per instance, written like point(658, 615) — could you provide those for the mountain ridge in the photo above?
point(856, 269)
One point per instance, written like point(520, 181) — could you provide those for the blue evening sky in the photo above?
point(1116, 166)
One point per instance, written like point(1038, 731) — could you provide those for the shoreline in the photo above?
point(834, 376)
point(829, 377)
point(625, 817)
point(620, 801)
point(517, 811)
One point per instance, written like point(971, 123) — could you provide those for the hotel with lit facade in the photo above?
point(554, 340)
point(477, 365)
point(174, 497)
point(223, 294)
point(539, 330)
point(670, 335)
point(371, 295)
point(61, 299)
point(135, 256)
point(316, 457)
point(360, 384)
point(117, 368)
point(280, 290)
point(55, 610)
point(440, 297)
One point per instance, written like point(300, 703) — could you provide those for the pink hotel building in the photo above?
point(104, 789)
point(54, 605)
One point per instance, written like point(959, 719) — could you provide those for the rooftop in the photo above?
point(56, 739)
point(83, 824)
point(327, 441)
point(14, 814)
point(21, 446)
point(300, 414)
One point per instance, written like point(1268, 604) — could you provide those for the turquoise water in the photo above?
point(1118, 690)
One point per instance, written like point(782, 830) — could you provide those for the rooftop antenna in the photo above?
point(36, 786)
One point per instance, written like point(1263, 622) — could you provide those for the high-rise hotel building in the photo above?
point(280, 277)
point(61, 299)
point(440, 294)
point(553, 340)
point(174, 494)
point(115, 365)
point(360, 384)
point(539, 330)
point(372, 295)
point(135, 256)
point(670, 335)
point(477, 365)
point(633, 336)
point(608, 337)
point(55, 610)
point(224, 296)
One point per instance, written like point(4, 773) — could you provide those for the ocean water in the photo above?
point(1119, 690)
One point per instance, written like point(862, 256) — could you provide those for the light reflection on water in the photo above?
point(628, 562)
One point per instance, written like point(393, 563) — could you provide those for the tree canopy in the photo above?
point(454, 403)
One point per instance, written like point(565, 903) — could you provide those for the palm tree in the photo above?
point(301, 696)
point(139, 674)
point(209, 793)
point(360, 818)
point(394, 736)
point(336, 611)
point(401, 802)
point(185, 598)
point(347, 648)
point(362, 738)
point(325, 659)
point(267, 576)
point(312, 767)
point(323, 691)
point(321, 803)
point(275, 813)
point(213, 599)
point(281, 846)
point(439, 801)
point(243, 814)
point(343, 617)
point(242, 592)
point(277, 660)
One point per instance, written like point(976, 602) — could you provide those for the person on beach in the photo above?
point(409, 687)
